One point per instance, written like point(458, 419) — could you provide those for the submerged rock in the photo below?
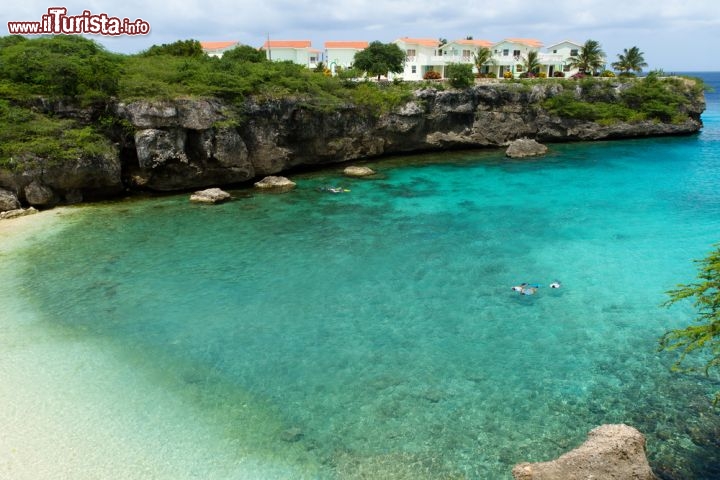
point(525, 147)
point(610, 452)
point(8, 200)
point(210, 195)
point(292, 435)
point(275, 182)
point(355, 171)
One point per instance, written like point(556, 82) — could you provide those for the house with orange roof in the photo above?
point(296, 51)
point(463, 51)
point(509, 55)
point(421, 56)
point(216, 49)
point(342, 53)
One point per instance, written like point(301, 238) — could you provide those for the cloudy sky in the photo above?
point(675, 35)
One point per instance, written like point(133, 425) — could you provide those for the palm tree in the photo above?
point(590, 58)
point(630, 61)
point(531, 63)
point(482, 56)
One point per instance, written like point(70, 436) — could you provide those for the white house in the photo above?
point(216, 49)
point(463, 51)
point(556, 56)
point(421, 56)
point(509, 55)
point(297, 51)
point(342, 54)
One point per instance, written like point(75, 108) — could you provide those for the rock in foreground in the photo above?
point(210, 195)
point(525, 147)
point(355, 171)
point(8, 200)
point(18, 212)
point(281, 183)
point(610, 452)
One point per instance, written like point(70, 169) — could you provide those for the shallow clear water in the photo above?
point(374, 334)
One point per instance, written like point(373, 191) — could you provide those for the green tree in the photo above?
point(630, 61)
point(244, 53)
point(380, 59)
point(532, 63)
point(704, 335)
point(481, 56)
point(181, 48)
point(68, 66)
point(460, 75)
point(589, 59)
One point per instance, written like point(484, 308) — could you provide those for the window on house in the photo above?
point(566, 68)
point(506, 52)
point(516, 53)
point(574, 52)
point(554, 51)
point(410, 52)
point(413, 69)
point(518, 68)
point(467, 54)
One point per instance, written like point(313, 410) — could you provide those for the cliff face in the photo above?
point(186, 144)
point(189, 144)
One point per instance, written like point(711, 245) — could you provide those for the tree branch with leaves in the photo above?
point(703, 337)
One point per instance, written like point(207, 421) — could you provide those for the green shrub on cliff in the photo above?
point(32, 140)
point(62, 67)
point(650, 98)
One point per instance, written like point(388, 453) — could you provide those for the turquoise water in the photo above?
point(374, 333)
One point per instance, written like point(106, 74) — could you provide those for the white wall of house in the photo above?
point(342, 53)
point(509, 56)
point(556, 56)
point(421, 55)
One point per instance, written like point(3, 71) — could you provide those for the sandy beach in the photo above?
point(70, 408)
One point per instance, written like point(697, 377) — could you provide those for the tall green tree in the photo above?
point(481, 56)
point(630, 61)
point(703, 337)
point(532, 63)
point(244, 53)
point(589, 59)
point(380, 59)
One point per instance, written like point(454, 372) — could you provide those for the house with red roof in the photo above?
point(342, 53)
point(296, 51)
point(421, 56)
point(216, 49)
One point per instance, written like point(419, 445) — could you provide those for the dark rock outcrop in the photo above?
point(611, 452)
point(525, 147)
point(197, 143)
point(39, 195)
point(8, 200)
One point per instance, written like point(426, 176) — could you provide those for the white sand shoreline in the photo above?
point(71, 408)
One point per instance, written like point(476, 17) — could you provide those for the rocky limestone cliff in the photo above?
point(188, 144)
point(194, 143)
